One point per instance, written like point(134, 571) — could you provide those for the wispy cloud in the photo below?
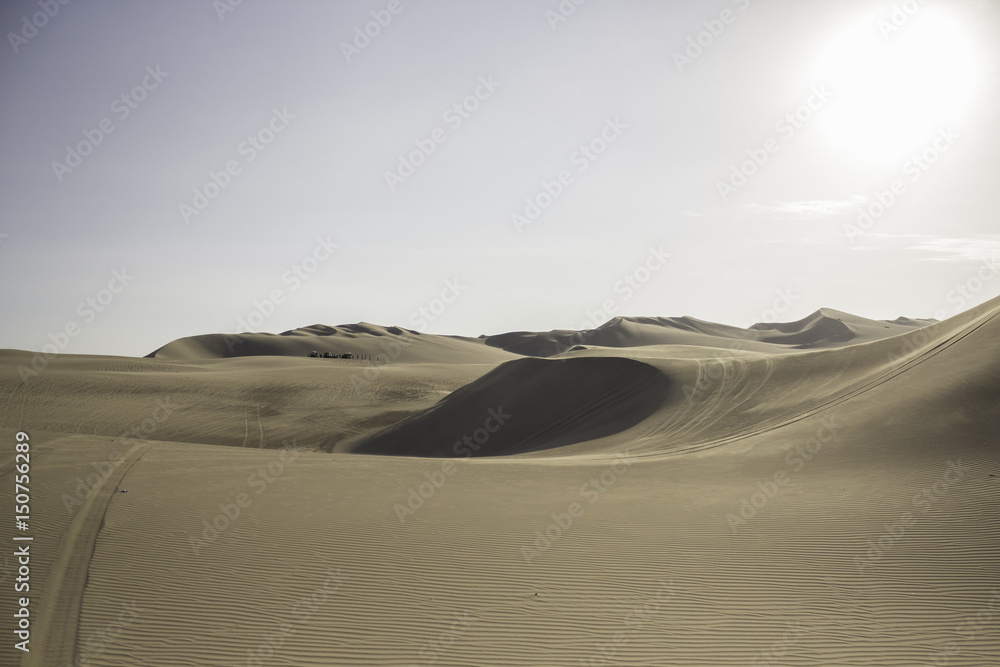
point(816, 208)
point(931, 248)
point(949, 249)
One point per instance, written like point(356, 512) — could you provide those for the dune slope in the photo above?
point(259, 402)
point(703, 397)
point(529, 405)
point(835, 506)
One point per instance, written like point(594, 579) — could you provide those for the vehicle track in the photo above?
point(900, 368)
point(57, 619)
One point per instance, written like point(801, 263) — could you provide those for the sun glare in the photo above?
point(894, 85)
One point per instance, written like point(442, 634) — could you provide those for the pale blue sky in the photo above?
point(868, 99)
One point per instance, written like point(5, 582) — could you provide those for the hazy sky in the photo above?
point(172, 168)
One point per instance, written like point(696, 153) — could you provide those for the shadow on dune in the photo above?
point(529, 405)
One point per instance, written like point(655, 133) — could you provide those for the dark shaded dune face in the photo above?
point(530, 405)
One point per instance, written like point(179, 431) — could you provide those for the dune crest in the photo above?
point(824, 328)
point(362, 340)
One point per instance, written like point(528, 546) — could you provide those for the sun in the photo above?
point(894, 88)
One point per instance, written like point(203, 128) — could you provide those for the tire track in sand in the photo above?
point(57, 620)
point(873, 381)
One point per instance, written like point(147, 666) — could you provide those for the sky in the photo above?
point(182, 167)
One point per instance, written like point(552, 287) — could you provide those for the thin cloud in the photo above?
point(816, 208)
point(947, 249)
point(936, 248)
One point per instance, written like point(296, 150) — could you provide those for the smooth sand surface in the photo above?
point(655, 491)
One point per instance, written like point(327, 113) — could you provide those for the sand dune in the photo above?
point(388, 344)
point(557, 402)
point(684, 401)
point(824, 328)
point(824, 492)
point(242, 402)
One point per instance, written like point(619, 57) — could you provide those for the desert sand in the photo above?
point(655, 491)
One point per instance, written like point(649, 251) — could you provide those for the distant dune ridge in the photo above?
point(824, 328)
point(651, 491)
point(389, 344)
